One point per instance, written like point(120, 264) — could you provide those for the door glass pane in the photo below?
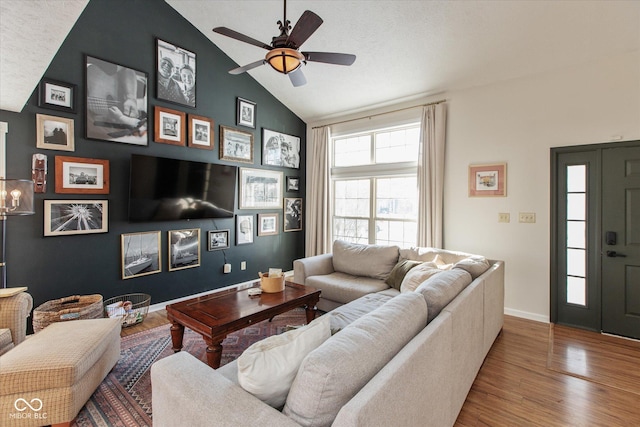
point(577, 290)
point(576, 178)
point(576, 262)
point(576, 206)
point(576, 234)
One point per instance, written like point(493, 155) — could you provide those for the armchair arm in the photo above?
point(312, 266)
point(185, 391)
point(14, 311)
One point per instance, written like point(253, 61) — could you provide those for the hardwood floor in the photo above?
point(538, 374)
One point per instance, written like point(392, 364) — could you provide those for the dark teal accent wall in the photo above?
point(125, 32)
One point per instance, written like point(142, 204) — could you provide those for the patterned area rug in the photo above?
point(124, 397)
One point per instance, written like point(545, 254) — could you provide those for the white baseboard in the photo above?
point(526, 315)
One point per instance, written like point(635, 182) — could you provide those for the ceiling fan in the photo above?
point(284, 55)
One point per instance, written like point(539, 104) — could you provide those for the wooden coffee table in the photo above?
point(216, 315)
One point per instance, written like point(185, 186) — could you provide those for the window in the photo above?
point(375, 189)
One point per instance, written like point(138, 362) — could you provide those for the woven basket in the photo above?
point(67, 308)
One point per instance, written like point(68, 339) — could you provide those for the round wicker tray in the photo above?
point(67, 308)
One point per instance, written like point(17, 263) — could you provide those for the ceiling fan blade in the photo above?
point(330, 57)
point(239, 36)
point(306, 25)
point(247, 67)
point(297, 78)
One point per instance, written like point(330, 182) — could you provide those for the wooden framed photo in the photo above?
point(246, 113)
point(488, 180)
point(292, 214)
point(140, 254)
point(77, 175)
point(244, 229)
point(267, 224)
point(176, 74)
point(236, 145)
point(293, 183)
point(54, 133)
point(280, 149)
point(169, 126)
point(184, 249)
point(217, 239)
point(200, 132)
point(57, 95)
point(67, 217)
point(116, 102)
point(260, 189)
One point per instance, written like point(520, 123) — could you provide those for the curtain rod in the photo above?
point(381, 114)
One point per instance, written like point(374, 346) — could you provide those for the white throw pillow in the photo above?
point(417, 275)
point(267, 368)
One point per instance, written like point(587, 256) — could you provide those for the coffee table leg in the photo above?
point(214, 352)
point(310, 312)
point(177, 333)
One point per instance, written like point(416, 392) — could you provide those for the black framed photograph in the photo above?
point(267, 224)
point(292, 214)
point(116, 102)
point(260, 189)
point(77, 175)
point(176, 74)
point(293, 183)
point(280, 149)
point(244, 229)
point(200, 132)
point(169, 126)
point(184, 249)
point(236, 145)
point(140, 254)
point(67, 217)
point(57, 95)
point(54, 133)
point(217, 239)
point(246, 114)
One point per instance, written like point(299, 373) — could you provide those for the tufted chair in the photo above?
point(14, 311)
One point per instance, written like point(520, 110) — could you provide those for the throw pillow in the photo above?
point(399, 271)
point(474, 265)
point(375, 261)
point(267, 368)
point(417, 275)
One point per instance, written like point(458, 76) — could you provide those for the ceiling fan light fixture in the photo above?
point(284, 60)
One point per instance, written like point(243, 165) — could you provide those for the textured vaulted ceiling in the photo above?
point(405, 49)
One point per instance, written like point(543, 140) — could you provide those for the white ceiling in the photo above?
point(404, 49)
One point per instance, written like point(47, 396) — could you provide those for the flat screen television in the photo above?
point(163, 189)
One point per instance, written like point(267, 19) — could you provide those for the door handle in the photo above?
point(613, 254)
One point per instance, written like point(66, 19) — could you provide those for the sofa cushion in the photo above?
point(343, 288)
point(346, 314)
point(475, 265)
point(417, 275)
point(430, 254)
point(334, 372)
point(373, 261)
point(441, 289)
point(6, 343)
point(267, 368)
point(399, 271)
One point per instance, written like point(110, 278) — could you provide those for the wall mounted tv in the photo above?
point(163, 189)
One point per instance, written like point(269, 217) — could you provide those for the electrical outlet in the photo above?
point(243, 265)
point(527, 217)
point(504, 217)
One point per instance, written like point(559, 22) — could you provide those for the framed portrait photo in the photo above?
point(67, 217)
point(260, 189)
point(169, 126)
point(280, 149)
point(116, 102)
point(77, 175)
point(267, 224)
point(184, 249)
point(488, 180)
point(176, 74)
point(57, 95)
point(244, 229)
point(140, 254)
point(236, 145)
point(246, 113)
point(292, 214)
point(293, 183)
point(200, 132)
point(217, 239)
point(54, 133)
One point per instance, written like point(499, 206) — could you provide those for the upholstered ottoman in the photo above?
point(49, 377)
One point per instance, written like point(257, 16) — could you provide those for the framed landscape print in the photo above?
point(236, 145)
point(292, 214)
point(67, 217)
point(140, 254)
point(200, 132)
point(244, 229)
point(280, 149)
point(176, 74)
point(184, 249)
point(267, 224)
point(246, 113)
point(169, 126)
point(76, 175)
point(116, 102)
point(54, 133)
point(489, 180)
point(57, 95)
point(260, 189)
point(217, 239)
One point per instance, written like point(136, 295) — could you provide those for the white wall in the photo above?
point(517, 122)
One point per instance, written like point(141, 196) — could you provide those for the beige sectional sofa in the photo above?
point(392, 361)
